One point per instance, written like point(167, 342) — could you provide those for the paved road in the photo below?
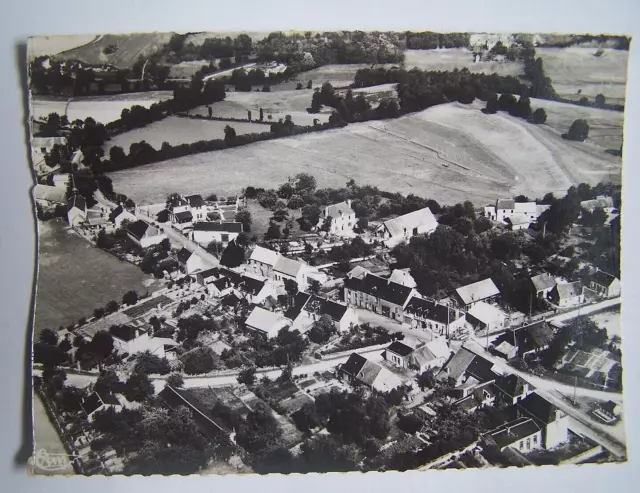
point(586, 310)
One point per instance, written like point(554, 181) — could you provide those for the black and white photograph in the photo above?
point(326, 251)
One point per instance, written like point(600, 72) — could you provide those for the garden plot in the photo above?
point(447, 59)
point(610, 321)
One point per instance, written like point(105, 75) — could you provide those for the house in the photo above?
point(567, 295)
point(119, 215)
point(266, 322)
point(61, 180)
point(433, 354)
point(343, 316)
point(542, 284)
point(359, 370)
point(262, 261)
point(471, 294)
point(379, 295)
point(343, 218)
point(508, 209)
point(608, 412)
point(191, 262)
point(358, 272)
point(524, 341)
point(399, 354)
point(402, 276)
point(144, 234)
point(47, 195)
point(518, 221)
point(480, 397)
point(606, 285)
point(289, 269)
point(223, 232)
point(128, 339)
point(600, 202)
point(219, 288)
point(198, 208)
point(96, 217)
point(512, 389)
point(553, 422)
point(485, 317)
point(404, 227)
point(467, 371)
point(523, 434)
point(76, 210)
point(206, 276)
point(98, 402)
point(429, 314)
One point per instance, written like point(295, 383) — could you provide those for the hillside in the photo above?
point(128, 48)
point(449, 153)
point(52, 45)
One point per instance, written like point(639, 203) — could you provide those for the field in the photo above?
point(52, 45)
point(452, 58)
point(75, 277)
point(176, 130)
point(336, 75)
point(573, 69)
point(103, 109)
point(450, 153)
point(188, 68)
point(610, 321)
point(129, 48)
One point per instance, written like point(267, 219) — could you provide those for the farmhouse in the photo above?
point(553, 421)
point(360, 370)
point(343, 316)
point(98, 402)
point(471, 294)
point(262, 261)
point(398, 353)
point(606, 285)
point(434, 354)
point(567, 295)
point(289, 269)
point(47, 195)
point(542, 284)
point(379, 295)
point(343, 218)
point(76, 210)
point(191, 262)
point(96, 218)
point(524, 341)
point(507, 208)
point(129, 339)
point(404, 227)
point(223, 232)
point(512, 389)
point(119, 215)
point(485, 317)
point(522, 434)
point(266, 322)
point(600, 202)
point(467, 371)
point(144, 234)
point(518, 221)
point(424, 313)
point(197, 207)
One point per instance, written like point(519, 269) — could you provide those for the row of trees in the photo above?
point(520, 108)
point(431, 41)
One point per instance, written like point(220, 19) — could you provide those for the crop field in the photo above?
point(452, 58)
point(75, 277)
point(578, 69)
point(52, 45)
point(128, 48)
point(103, 109)
point(450, 153)
point(336, 75)
point(188, 68)
point(177, 130)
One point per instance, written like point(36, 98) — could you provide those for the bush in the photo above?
point(579, 131)
point(175, 380)
point(539, 116)
point(198, 360)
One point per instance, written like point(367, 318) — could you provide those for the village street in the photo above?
point(586, 310)
point(413, 335)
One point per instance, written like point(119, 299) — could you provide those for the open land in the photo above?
point(458, 58)
point(450, 153)
point(103, 109)
point(52, 45)
point(46, 437)
point(337, 75)
point(74, 277)
point(609, 320)
point(576, 68)
point(128, 48)
point(176, 130)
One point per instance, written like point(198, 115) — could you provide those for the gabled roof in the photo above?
point(400, 349)
point(422, 217)
point(518, 219)
point(430, 310)
point(543, 281)
point(369, 372)
point(477, 291)
point(527, 338)
point(434, 350)
point(457, 366)
point(510, 384)
point(506, 204)
point(78, 202)
point(569, 290)
point(338, 210)
point(324, 306)
point(184, 255)
point(353, 365)
point(526, 207)
point(195, 201)
point(222, 283)
point(402, 276)
point(358, 271)
point(224, 227)
point(288, 266)
point(265, 320)
point(212, 272)
point(138, 229)
point(487, 313)
point(538, 408)
point(602, 278)
point(184, 216)
point(95, 401)
point(250, 285)
point(49, 193)
point(380, 288)
point(299, 300)
point(264, 255)
point(179, 202)
point(513, 432)
point(124, 332)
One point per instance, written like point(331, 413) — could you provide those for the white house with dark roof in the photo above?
point(522, 434)
point(197, 207)
point(343, 218)
point(266, 322)
point(484, 290)
point(398, 353)
point(120, 214)
point(567, 294)
point(144, 234)
point(313, 308)
point(76, 210)
point(485, 317)
point(379, 295)
point(402, 228)
point(191, 262)
point(434, 354)
point(95, 402)
point(294, 270)
point(429, 314)
point(358, 369)
point(606, 285)
point(262, 261)
point(204, 233)
point(517, 214)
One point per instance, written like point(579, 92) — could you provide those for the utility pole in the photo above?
point(575, 387)
point(544, 229)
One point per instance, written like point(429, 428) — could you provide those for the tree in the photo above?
point(539, 116)
point(199, 360)
point(175, 380)
point(112, 306)
point(295, 202)
point(600, 100)
point(409, 423)
point(291, 287)
point(247, 376)
point(229, 135)
point(102, 343)
point(492, 105)
point(314, 286)
point(268, 199)
point(130, 298)
point(305, 183)
point(273, 232)
point(266, 88)
point(138, 388)
point(579, 130)
point(322, 329)
point(299, 86)
point(310, 85)
point(507, 102)
point(48, 336)
point(426, 379)
point(108, 382)
point(151, 364)
point(523, 107)
point(259, 431)
point(280, 215)
point(48, 355)
point(233, 255)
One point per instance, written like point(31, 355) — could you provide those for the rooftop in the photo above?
point(380, 288)
point(353, 365)
point(265, 320)
point(78, 202)
point(338, 210)
point(358, 272)
point(50, 194)
point(264, 256)
point(526, 207)
point(506, 204)
point(225, 227)
point(408, 222)
point(543, 281)
point(288, 266)
point(527, 338)
point(184, 255)
point(569, 290)
point(325, 306)
point(399, 348)
point(430, 310)
point(477, 291)
point(487, 313)
point(402, 276)
point(125, 332)
point(195, 201)
point(514, 431)
point(184, 216)
point(602, 278)
point(538, 408)
point(138, 229)
point(95, 401)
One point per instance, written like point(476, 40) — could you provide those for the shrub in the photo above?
point(539, 116)
point(579, 130)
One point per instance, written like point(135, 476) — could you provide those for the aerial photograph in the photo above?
point(309, 252)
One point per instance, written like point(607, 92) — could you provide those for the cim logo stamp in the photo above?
point(43, 461)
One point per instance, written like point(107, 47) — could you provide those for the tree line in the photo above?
point(431, 41)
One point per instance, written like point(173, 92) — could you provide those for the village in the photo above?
point(276, 344)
